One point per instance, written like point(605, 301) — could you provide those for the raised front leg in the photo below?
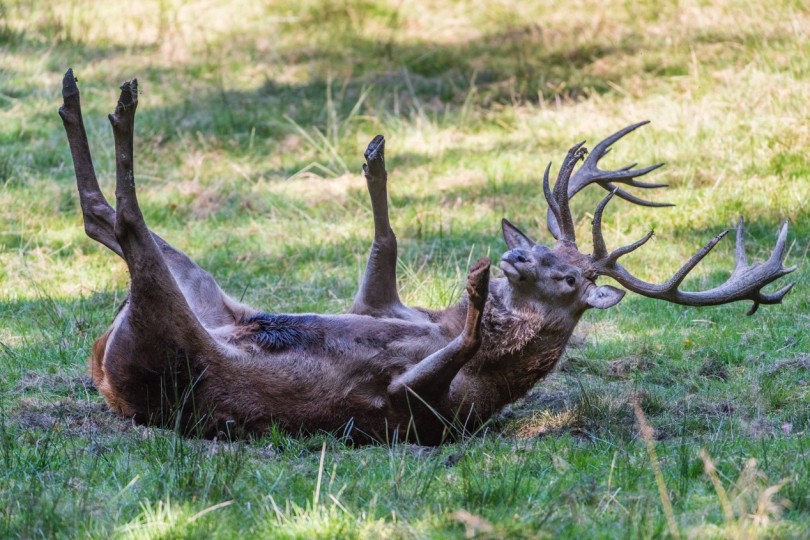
point(429, 380)
point(378, 295)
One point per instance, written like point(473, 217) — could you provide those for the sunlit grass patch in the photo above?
point(251, 126)
point(328, 520)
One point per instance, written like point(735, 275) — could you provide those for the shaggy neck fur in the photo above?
point(520, 343)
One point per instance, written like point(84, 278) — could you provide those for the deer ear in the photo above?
point(514, 237)
point(604, 296)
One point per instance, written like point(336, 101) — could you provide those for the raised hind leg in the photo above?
point(377, 295)
point(157, 355)
point(99, 216)
point(214, 308)
point(156, 302)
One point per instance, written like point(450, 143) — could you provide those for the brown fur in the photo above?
point(97, 373)
point(341, 376)
point(183, 354)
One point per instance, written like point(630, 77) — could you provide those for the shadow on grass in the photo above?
point(515, 61)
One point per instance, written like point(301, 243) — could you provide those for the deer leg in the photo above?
point(157, 304)
point(378, 289)
point(99, 216)
point(199, 288)
point(430, 379)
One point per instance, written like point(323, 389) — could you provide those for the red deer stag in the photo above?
point(183, 354)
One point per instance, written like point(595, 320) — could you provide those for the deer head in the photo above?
point(555, 278)
point(563, 276)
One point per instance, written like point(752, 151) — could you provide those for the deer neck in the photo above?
point(521, 342)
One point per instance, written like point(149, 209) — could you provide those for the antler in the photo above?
point(745, 283)
point(590, 173)
point(558, 201)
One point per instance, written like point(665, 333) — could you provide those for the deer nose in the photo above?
point(516, 255)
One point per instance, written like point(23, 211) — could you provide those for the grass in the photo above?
point(250, 133)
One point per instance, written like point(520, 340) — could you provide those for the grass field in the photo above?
point(252, 121)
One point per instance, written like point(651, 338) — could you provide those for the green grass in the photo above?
point(250, 131)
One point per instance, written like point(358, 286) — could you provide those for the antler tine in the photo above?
point(778, 254)
point(599, 247)
point(603, 147)
point(590, 173)
point(600, 254)
point(629, 197)
point(576, 153)
point(624, 175)
point(774, 261)
point(553, 207)
point(744, 283)
point(622, 251)
point(740, 257)
point(675, 281)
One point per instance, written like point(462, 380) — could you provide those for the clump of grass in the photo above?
point(752, 504)
point(167, 520)
point(648, 436)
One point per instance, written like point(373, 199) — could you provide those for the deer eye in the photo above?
point(570, 280)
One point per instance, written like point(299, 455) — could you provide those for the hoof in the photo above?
point(127, 103)
point(478, 282)
point(375, 157)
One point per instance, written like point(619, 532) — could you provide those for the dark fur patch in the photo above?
point(279, 332)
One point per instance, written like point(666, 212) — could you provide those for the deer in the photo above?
point(183, 355)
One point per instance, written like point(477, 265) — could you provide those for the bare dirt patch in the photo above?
point(73, 417)
point(64, 403)
point(541, 412)
point(625, 367)
point(543, 423)
point(536, 400)
point(801, 361)
point(57, 384)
